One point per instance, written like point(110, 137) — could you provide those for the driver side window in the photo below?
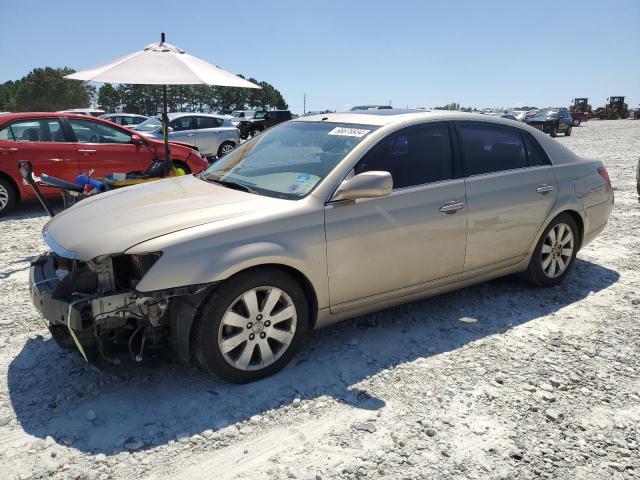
point(414, 156)
point(88, 131)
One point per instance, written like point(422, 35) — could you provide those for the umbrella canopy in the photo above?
point(162, 64)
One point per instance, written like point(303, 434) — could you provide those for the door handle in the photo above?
point(451, 207)
point(544, 188)
point(86, 151)
point(189, 135)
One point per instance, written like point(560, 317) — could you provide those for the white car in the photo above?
point(93, 112)
point(213, 135)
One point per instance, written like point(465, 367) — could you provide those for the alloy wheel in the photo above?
point(4, 197)
point(226, 149)
point(258, 328)
point(557, 250)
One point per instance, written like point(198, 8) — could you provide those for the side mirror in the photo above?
point(137, 139)
point(169, 129)
point(364, 185)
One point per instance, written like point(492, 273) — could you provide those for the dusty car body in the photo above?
point(314, 221)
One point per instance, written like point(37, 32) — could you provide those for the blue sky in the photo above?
point(342, 53)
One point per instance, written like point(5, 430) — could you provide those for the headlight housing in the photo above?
point(129, 269)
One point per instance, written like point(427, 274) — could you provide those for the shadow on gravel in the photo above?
point(54, 393)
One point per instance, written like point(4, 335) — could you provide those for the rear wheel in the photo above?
point(225, 148)
point(251, 325)
point(567, 132)
point(8, 197)
point(554, 131)
point(555, 252)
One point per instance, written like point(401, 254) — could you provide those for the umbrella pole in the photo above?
point(165, 127)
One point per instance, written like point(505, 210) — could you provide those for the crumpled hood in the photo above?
point(114, 221)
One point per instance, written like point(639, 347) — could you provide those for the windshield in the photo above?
point(546, 114)
point(260, 114)
point(289, 160)
point(149, 125)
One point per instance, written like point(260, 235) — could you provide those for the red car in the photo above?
point(66, 145)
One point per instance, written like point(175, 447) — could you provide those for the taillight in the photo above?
point(604, 174)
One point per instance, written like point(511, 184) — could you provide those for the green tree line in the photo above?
point(46, 89)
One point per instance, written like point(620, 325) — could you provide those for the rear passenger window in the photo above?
point(36, 130)
point(491, 149)
point(535, 157)
point(412, 157)
point(208, 122)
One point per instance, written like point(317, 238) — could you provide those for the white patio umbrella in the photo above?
point(162, 64)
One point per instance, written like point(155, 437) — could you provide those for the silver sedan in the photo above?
point(214, 135)
point(316, 220)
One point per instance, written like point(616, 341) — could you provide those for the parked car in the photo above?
point(552, 121)
point(371, 107)
point(314, 221)
point(93, 112)
point(66, 145)
point(262, 120)
point(124, 119)
point(517, 114)
point(531, 113)
point(213, 135)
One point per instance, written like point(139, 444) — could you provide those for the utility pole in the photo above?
point(304, 104)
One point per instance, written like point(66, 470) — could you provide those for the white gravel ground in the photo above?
point(500, 380)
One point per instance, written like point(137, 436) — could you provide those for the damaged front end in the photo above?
point(94, 305)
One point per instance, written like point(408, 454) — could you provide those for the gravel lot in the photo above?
point(497, 381)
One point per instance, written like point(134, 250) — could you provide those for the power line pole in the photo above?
point(304, 104)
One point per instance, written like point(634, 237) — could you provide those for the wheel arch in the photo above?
point(183, 332)
point(12, 183)
point(574, 213)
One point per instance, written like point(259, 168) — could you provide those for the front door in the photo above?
point(415, 235)
point(183, 130)
point(106, 148)
point(510, 188)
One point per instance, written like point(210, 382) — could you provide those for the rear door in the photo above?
point(510, 187)
point(45, 143)
point(107, 148)
point(209, 134)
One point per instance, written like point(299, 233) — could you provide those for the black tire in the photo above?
point(535, 273)
point(576, 122)
point(567, 132)
point(8, 196)
point(205, 342)
point(554, 131)
point(224, 148)
point(254, 131)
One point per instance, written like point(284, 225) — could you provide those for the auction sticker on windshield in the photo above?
point(349, 132)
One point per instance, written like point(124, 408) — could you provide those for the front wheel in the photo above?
point(254, 131)
point(554, 131)
point(251, 326)
point(555, 252)
point(567, 132)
